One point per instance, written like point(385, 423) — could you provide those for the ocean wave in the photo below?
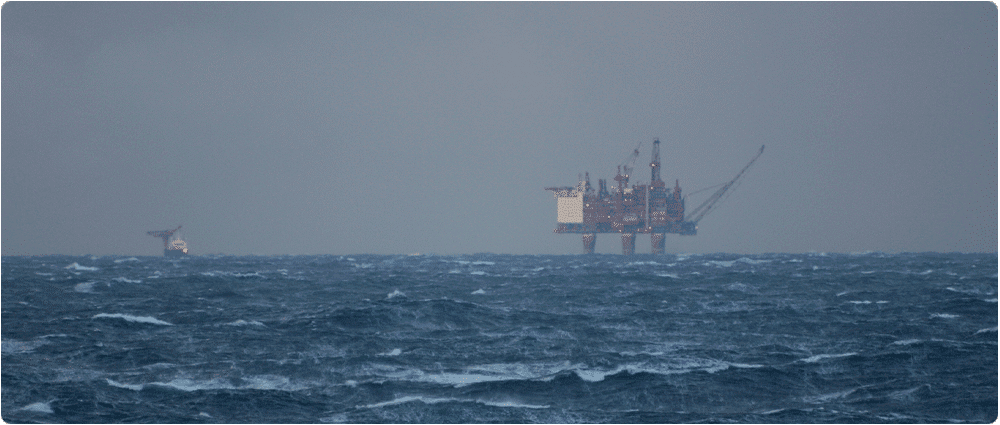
point(77, 266)
point(85, 287)
point(678, 367)
point(238, 275)
point(131, 318)
point(943, 316)
point(241, 322)
point(257, 382)
point(39, 407)
point(122, 260)
point(547, 372)
point(395, 294)
point(820, 357)
point(436, 400)
point(393, 353)
point(10, 346)
point(643, 263)
point(125, 280)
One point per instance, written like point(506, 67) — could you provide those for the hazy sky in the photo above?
point(395, 128)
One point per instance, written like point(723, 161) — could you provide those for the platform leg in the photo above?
point(588, 242)
point(659, 242)
point(628, 243)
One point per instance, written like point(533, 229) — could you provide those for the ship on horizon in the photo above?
point(173, 245)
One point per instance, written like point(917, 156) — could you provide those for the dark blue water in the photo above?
point(495, 338)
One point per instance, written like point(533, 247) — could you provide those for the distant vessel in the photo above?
point(173, 245)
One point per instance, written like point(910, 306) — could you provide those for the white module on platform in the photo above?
point(569, 209)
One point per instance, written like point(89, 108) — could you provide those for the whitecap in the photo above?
point(512, 404)
point(77, 266)
point(394, 352)
point(124, 280)
point(944, 316)
point(436, 400)
point(406, 399)
point(126, 386)
point(188, 385)
point(860, 302)
point(85, 287)
point(396, 293)
point(40, 407)
point(478, 273)
point(720, 263)
point(828, 397)
point(682, 366)
point(986, 330)
point(10, 346)
point(670, 275)
point(479, 292)
point(906, 342)
point(260, 382)
point(752, 261)
point(131, 318)
point(241, 322)
point(819, 357)
point(271, 382)
point(454, 271)
point(122, 260)
point(339, 418)
point(486, 263)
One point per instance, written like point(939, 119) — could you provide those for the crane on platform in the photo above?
point(698, 213)
point(626, 166)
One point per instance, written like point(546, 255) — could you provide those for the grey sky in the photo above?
point(344, 128)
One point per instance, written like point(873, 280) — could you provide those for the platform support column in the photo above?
point(628, 243)
point(659, 242)
point(589, 240)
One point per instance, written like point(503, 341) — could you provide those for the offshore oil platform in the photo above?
point(173, 245)
point(642, 208)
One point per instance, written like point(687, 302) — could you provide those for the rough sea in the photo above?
point(775, 338)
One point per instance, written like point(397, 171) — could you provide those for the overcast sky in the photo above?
point(396, 128)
